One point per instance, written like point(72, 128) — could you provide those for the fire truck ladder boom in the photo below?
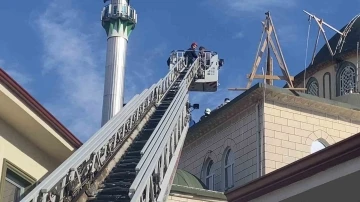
point(134, 156)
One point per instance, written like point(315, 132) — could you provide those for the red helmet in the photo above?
point(194, 43)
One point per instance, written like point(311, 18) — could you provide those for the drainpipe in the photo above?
point(258, 131)
point(259, 138)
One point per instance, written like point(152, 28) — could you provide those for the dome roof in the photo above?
point(351, 39)
point(323, 58)
point(187, 179)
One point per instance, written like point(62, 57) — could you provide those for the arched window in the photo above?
point(209, 174)
point(229, 169)
point(312, 87)
point(346, 78)
point(318, 145)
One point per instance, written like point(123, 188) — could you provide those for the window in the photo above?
point(312, 87)
point(14, 183)
point(316, 146)
point(229, 169)
point(346, 79)
point(115, 10)
point(327, 85)
point(209, 175)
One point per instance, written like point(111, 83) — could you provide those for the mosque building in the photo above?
point(264, 145)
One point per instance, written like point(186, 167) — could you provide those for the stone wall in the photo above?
point(240, 135)
point(290, 131)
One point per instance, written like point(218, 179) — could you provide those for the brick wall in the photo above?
point(190, 198)
point(238, 133)
point(290, 131)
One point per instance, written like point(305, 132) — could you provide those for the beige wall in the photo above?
point(320, 75)
point(189, 198)
point(290, 131)
point(22, 153)
point(238, 133)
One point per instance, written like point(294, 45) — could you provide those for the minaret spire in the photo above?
point(118, 20)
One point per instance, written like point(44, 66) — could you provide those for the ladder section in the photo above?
point(79, 171)
point(161, 153)
point(117, 184)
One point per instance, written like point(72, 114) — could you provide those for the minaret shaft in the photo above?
point(118, 20)
point(114, 77)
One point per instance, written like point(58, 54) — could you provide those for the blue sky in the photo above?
point(56, 48)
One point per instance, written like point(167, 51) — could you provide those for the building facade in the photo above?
point(32, 142)
point(262, 130)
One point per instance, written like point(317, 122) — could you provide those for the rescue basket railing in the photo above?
point(79, 170)
point(162, 151)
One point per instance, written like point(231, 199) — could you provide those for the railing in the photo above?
point(162, 151)
point(79, 170)
point(122, 11)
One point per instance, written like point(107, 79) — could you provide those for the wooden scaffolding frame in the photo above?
point(267, 43)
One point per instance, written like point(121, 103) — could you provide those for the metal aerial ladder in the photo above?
point(134, 156)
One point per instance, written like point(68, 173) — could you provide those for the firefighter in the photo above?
point(201, 70)
point(190, 54)
point(206, 113)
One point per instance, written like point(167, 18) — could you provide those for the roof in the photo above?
point(187, 183)
point(323, 58)
point(308, 166)
point(256, 94)
point(187, 179)
point(37, 108)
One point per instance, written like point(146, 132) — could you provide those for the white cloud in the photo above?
point(70, 53)
point(141, 71)
point(258, 5)
point(238, 35)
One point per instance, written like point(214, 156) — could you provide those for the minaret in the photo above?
point(118, 20)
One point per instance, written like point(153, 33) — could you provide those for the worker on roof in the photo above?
point(227, 100)
point(206, 113)
point(190, 54)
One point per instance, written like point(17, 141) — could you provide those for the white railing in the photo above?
point(162, 151)
point(79, 170)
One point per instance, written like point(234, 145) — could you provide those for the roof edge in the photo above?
point(228, 105)
point(198, 192)
point(33, 104)
point(308, 166)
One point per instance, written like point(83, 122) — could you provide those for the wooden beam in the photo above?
point(270, 77)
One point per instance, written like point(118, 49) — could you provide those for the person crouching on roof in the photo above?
point(190, 54)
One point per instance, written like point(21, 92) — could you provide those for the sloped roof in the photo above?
point(323, 58)
point(37, 108)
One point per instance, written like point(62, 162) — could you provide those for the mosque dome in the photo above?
point(342, 48)
point(186, 179)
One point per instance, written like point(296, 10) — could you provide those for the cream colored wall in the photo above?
point(319, 76)
point(189, 198)
point(238, 133)
point(22, 153)
point(290, 130)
